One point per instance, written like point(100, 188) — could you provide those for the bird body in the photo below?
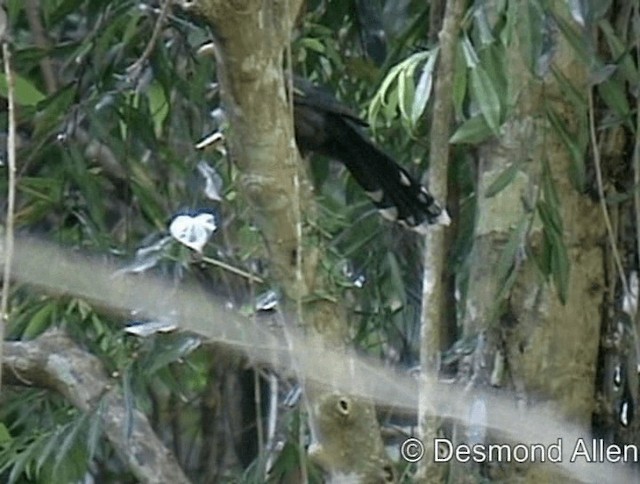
point(325, 126)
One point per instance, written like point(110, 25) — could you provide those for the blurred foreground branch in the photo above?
point(58, 271)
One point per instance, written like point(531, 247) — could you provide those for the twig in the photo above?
point(296, 181)
point(7, 250)
point(40, 40)
point(272, 419)
point(433, 313)
point(297, 209)
point(257, 395)
point(235, 270)
point(136, 68)
point(603, 203)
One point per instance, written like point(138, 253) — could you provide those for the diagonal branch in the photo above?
point(55, 362)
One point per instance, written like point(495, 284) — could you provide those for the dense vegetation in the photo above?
point(112, 101)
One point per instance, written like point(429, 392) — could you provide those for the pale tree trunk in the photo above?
point(251, 37)
point(436, 309)
point(528, 342)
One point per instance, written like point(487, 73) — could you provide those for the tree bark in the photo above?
point(436, 308)
point(55, 362)
point(251, 37)
point(528, 341)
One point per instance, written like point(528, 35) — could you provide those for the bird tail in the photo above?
point(396, 194)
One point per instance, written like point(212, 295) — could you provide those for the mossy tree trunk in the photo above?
point(529, 341)
point(251, 37)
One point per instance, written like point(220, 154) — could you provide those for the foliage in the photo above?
point(107, 157)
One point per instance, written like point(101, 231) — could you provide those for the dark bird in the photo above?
point(325, 126)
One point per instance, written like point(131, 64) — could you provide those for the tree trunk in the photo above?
point(528, 341)
point(251, 37)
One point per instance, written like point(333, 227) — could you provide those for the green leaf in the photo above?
point(614, 94)
point(169, 349)
point(506, 266)
point(560, 267)
point(459, 83)
point(53, 110)
point(580, 42)
point(625, 62)
point(486, 95)
point(423, 90)
point(472, 131)
point(492, 59)
point(360, 241)
point(600, 73)
point(548, 187)
point(550, 217)
point(286, 462)
point(404, 81)
point(569, 140)
point(25, 92)
point(5, 435)
point(159, 107)
point(508, 255)
point(502, 180)
point(533, 34)
point(70, 441)
point(483, 27)
point(600, 8)
point(396, 281)
point(137, 113)
point(150, 202)
point(40, 320)
point(373, 111)
point(58, 10)
point(88, 184)
point(391, 105)
point(389, 98)
point(13, 9)
point(24, 458)
point(42, 188)
point(312, 44)
point(136, 17)
point(52, 442)
point(577, 98)
point(469, 52)
point(554, 250)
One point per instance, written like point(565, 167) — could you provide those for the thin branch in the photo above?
point(601, 197)
point(257, 393)
point(136, 68)
point(297, 213)
point(272, 419)
point(11, 194)
point(32, 9)
point(433, 315)
point(235, 270)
